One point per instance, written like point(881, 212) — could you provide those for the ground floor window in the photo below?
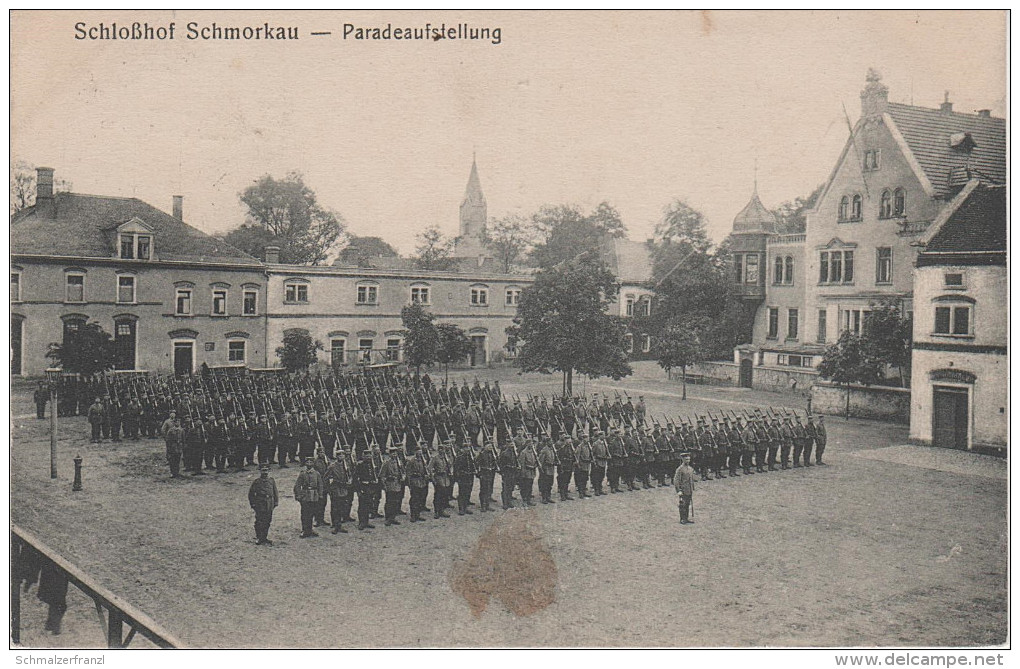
point(336, 351)
point(392, 350)
point(236, 351)
point(365, 349)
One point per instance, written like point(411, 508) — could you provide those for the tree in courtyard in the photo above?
point(680, 345)
point(286, 213)
point(299, 350)
point(849, 361)
point(888, 336)
point(563, 325)
point(454, 346)
point(421, 338)
point(87, 350)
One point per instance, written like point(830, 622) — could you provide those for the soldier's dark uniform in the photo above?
point(528, 463)
point(565, 468)
point(508, 468)
point(440, 475)
point(393, 482)
point(750, 441)
point(809, 441)
point(582, 469)
point(651, 457)
point(485, 466)
point(284, 437)
point(601, 459)
point(820, 438)
point(799, 440)
point(418, 481)
point(263, 497)
point(337, 480)
point(786, 430)
point(366, 481)
point(464, 474)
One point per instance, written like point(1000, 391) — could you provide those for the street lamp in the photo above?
point(53, 376)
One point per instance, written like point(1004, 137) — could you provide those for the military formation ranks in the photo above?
point(379, 434)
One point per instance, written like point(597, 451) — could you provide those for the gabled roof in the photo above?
point(85, 226)
point(929, 134)
point(973, 223)
point(630, 261)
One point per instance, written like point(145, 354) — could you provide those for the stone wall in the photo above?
point(877, 402)
point(783, 379)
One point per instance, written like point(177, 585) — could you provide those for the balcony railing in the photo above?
point(907, 228)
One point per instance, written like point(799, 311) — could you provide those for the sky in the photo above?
point(636, 109)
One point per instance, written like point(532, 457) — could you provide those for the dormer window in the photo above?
point(134, 241)
point(871, 159)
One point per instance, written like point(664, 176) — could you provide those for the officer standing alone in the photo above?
point(263, 497)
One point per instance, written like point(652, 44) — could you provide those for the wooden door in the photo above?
point(951, 417)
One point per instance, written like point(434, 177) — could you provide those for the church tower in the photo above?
point(473, 213)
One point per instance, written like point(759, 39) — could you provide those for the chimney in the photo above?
point(875, 96)
point(179, 207)
point(985, 113)
point(946, 105)
point(44, 191)
point(273, 255)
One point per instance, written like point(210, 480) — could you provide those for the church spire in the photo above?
point(473, 192)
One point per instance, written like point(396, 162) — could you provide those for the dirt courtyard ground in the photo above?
point(880, 548)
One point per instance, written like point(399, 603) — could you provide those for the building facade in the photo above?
point(171, 296)
point(960, 365)
point(175, 298)
point(355, 313)
point(898, 170)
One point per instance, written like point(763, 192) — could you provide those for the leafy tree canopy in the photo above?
point(562, 322)
point(87, 350)
point(434, 250)
point(421, 339)
point(564, 231)
point(509, 238)
point(791, 216)
point(286, 213)
point(299, 351)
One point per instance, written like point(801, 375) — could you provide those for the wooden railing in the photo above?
point(119, 612)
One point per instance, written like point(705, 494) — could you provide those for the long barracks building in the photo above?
point(174, 297)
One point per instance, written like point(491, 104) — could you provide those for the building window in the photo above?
point(773, 322)
point(822, 315)
point(337, 349)
point(365, 349)
point(792, 360)
point(777, 274)
point(953, 280)
point(183, 302)
point(885, 205)
point(953, 320)
point(853, 319)
point(251, 302)
point(738, 265)
point(899, 202)
point(135, 246)
point(792, 323)
point(15, 286)
point(513, 297)
point(393, 350)
point(628, 342)
point(480, 297)
point(630, 305)
point(126, 289)
point(645, 305)
point(844, 208)
point(836, 267)
point(872, 159)
point(420, 295)
point(368, 294)
point(788, 278)
point(751, 268)
point(71, 326)
point(219, 302)
point(646, 343)
point(856, 207)
point(75, 288)
point(883, 264)
point(235, 351)
point(295, 292)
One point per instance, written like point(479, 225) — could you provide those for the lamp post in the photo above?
point(53, 376)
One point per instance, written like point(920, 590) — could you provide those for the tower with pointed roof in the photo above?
point(473, 214)
point(751, 230)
